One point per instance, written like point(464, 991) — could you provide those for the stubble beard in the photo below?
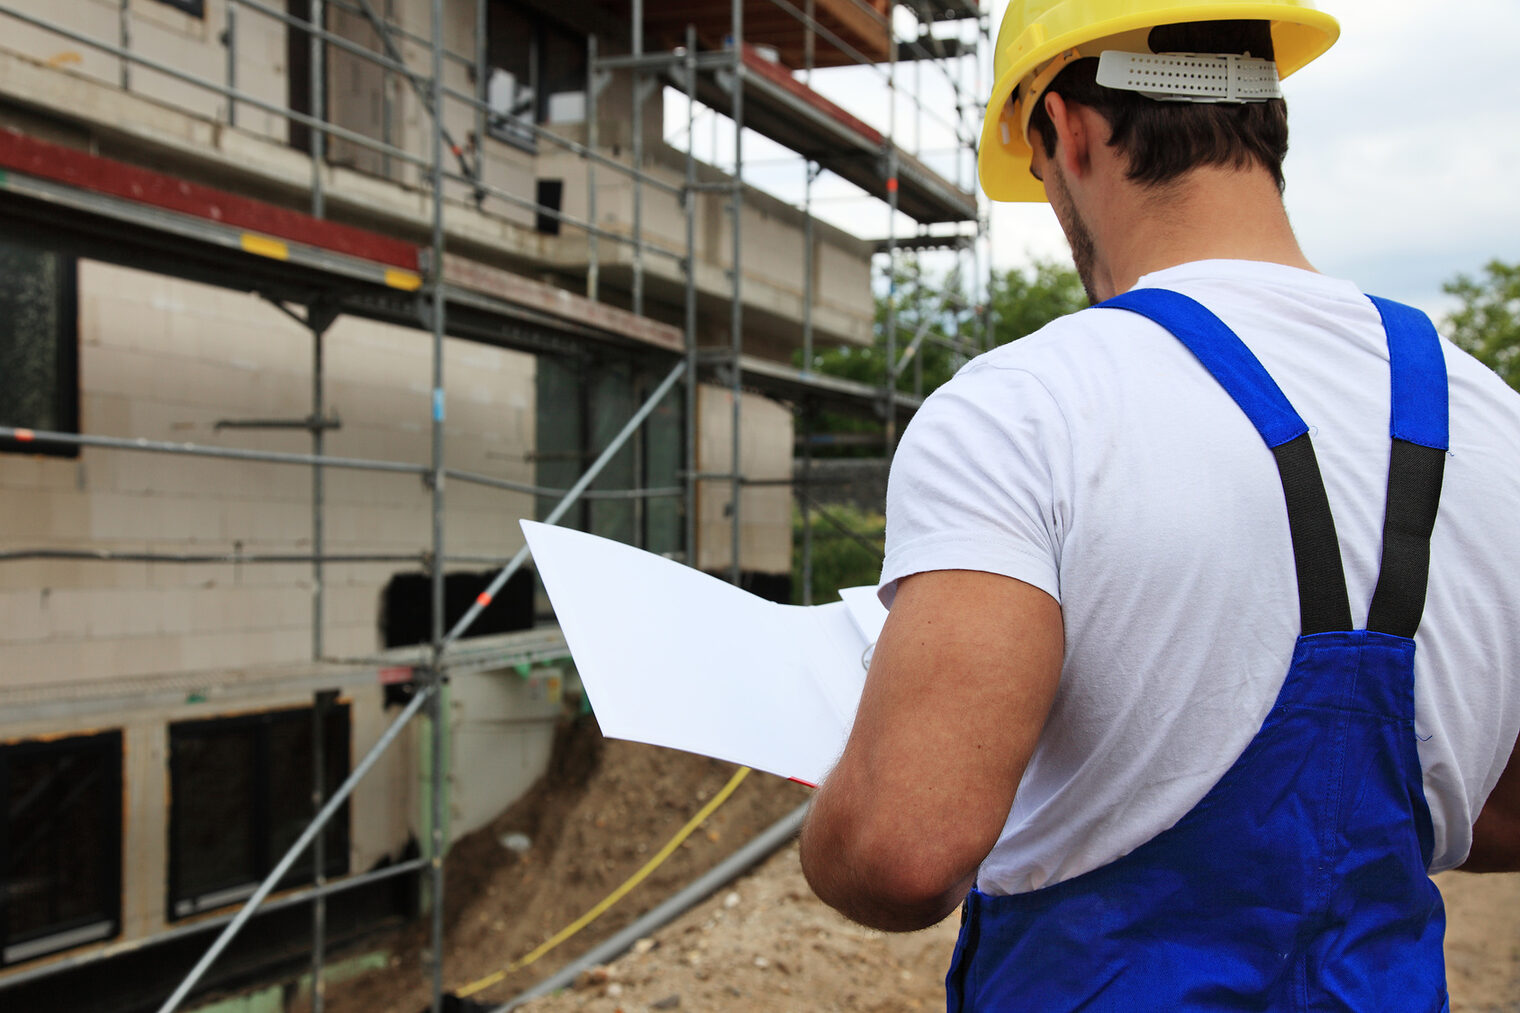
point(1084, 252)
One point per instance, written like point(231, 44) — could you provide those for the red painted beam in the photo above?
point(780, 75)
point(24, 154)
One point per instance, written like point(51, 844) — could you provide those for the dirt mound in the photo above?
point(762, 945)
point(603, 809)
point(767, 945)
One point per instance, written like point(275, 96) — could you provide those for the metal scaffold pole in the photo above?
point(810, 174)
point(321, 702)
point(318, 98)
point(689, 204)
point(637, 153)
point(124, 34)
point(229, 42)
point(318, 319)
point(807, 502)
point(571, 497)
point(437, 709)
point(482, 71)
point(736, 306)
point(593, 252)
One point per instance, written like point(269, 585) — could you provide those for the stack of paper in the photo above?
point(671, 656)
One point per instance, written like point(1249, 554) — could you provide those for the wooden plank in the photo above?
point(514, 288)
point(862, 24)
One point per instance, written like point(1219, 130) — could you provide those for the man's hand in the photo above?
point(960, 685)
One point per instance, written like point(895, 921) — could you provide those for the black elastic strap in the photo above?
point(1414, 492)
point(1323, 604)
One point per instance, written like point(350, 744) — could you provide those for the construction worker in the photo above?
point(1204, 643)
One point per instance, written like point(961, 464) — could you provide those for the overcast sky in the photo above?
point(1404, 167)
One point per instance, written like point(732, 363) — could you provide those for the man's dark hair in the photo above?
point(1163, 140)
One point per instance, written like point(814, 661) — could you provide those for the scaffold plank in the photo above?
point(861, 24)
point(559, 302)
point(786, 110)
point(93, 173)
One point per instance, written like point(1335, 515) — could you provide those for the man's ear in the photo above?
point(1073, 138)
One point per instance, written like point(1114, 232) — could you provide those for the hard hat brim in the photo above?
point(1299, 35)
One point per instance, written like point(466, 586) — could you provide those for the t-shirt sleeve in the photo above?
point(978, 482)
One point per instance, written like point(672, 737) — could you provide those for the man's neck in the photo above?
point(1210, 214)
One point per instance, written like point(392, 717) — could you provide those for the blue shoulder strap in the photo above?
point(1418, 425)
point(1419, 376)
point(1224, 355)
point(1417, 462)
point(1323, 604)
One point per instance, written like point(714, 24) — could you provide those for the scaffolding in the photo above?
point(733, 58)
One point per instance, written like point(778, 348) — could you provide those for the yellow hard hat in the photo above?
point(1039, 37)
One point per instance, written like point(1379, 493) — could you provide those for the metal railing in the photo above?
point(434, 99)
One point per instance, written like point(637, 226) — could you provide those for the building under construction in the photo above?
point(303, 304)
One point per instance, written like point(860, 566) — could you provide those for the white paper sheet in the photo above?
point(674, 657)
point(866, 610)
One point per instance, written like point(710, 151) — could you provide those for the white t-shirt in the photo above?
point(1098, 461)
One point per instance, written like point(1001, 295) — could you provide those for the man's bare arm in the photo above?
point(960, 685)
point(1496, 834)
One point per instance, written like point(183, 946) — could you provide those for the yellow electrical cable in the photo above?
point(613, 897)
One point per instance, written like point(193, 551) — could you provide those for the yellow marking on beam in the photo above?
point(263, 246)
point(407, 281)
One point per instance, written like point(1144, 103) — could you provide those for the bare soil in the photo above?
point(762, 945)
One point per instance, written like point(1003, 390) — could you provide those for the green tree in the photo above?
point(925, 302)
point(847, 549)
point(934, 315)
point(1487, 324)
point(1025, 299)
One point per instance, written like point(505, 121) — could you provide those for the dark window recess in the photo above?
point(406, 606)
point(581, 407)
point(274, 946)
point(60, 844)
point(39, 344)
point(298, 74)
point(551, 194)
point(536, 73)
point(242, 795)
point(194, 8)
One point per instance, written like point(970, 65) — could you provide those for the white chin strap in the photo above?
point(1190, 77)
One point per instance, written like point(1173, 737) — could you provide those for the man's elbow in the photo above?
point(887, 884)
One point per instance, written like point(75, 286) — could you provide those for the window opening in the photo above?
point(39, 343)
point(536, 73)
point(194, 8)
point(551, 193)
point(60, 844)
point(241, 796)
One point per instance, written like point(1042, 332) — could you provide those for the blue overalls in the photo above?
point(1299, 882)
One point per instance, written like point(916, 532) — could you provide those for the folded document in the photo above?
point(671, 656)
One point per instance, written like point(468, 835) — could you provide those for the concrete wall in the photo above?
point(89, 645)
point(164, 34)
point(137, 646)
point(765, 512)
point(501, 733)
point(165, 360)
point(383, 806)
point(69, 79)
